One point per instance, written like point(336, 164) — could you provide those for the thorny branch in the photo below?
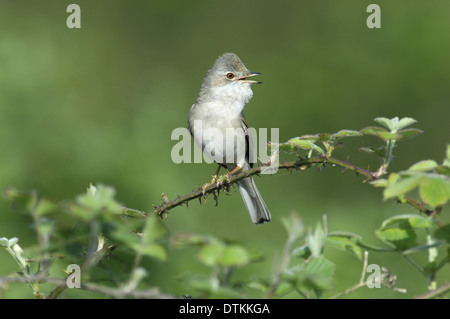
point(299, 165)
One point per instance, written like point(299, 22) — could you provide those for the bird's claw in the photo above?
point(205, 186)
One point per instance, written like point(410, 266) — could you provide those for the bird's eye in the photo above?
point(230, 75)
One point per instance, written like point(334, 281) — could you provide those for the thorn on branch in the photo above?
point(165, 199)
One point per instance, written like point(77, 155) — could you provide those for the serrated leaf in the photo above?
point(435, 191)
point(424, 165)
point(318, 274)
point(402, 186)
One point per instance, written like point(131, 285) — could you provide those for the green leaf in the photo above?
point(344, 243)
point(394, 124)
point(155, 250)
point(154, 230)
point(379, 182)
point(317, 274)
point(208, 285)
point(305, 145)
point(211, 253)
point(184, 239)
point(424, 165)
point(402, 237)
point(380, 151)
point(235, 255)
point(346, 133)
point(324, 137)
point(357, 240)
point(404, 122)
point(285, 147)
point(302, 252)
point(447, 156)
point(402, 186)
point(443, 170)
point(388, 136)
point(381, 133)
point(435, 191)
point(409, 133)
point(443, 233)
point(421, 248)
point(293, 225)
point(310, 137)
point(98, 199)
point(316, 241)
point(415, 221)
point(372, 130)
point(400, 230)
point(386, 122)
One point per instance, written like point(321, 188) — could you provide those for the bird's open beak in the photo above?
point(250, 74)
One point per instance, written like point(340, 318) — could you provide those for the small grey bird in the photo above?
point(219, 128)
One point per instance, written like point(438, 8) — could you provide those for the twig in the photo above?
point(361, 282)
point(301, 164)
point(107, 291)
point(436, 292)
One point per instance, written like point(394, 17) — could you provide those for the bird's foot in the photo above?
point(206, 185)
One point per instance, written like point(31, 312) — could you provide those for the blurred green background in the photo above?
point(98, 104)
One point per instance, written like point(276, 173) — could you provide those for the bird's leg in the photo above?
point(234, 170)
point(216, 174)
point(226, 178)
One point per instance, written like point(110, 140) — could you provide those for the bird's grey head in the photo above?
point(228, 79)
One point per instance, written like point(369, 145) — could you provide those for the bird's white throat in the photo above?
point(235, 94)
